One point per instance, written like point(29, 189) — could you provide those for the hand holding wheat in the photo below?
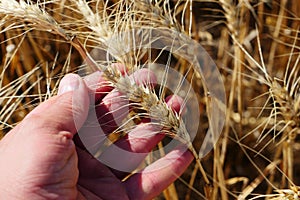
point(254, 43)
point(39, 159)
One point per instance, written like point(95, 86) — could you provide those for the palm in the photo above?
point(97, 181)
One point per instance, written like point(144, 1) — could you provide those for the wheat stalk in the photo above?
point(284, 118)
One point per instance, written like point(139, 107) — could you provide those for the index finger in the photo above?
point(98, 85)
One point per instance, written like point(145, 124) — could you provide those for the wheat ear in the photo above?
point(144, 97)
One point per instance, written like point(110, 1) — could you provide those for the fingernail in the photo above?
point(69, 83)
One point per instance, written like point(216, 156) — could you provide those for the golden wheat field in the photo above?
point(255, 45)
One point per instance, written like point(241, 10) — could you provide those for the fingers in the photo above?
point(98, 84)
point(115, 106)
point(110, 113)
point(151, 181)
point(127, 153)
point(175, 103)
point(112, 110)
point(64, 113)
point(154, 178)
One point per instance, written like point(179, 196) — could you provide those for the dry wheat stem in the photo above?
point(283, 115)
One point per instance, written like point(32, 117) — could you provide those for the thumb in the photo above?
point(65, 112)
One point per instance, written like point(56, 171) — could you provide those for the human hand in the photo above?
point(40, 160)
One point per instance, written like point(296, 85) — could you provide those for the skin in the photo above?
point(43, 158)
